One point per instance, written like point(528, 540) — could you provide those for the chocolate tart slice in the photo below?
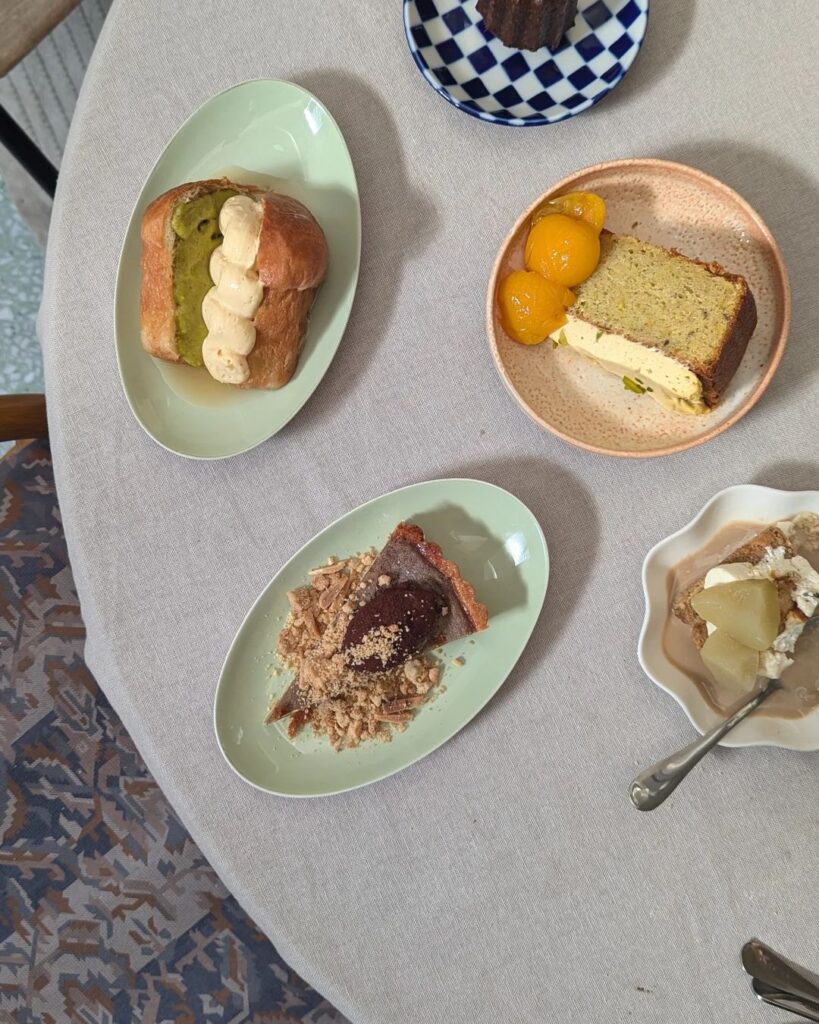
point(408, 557)
point(409, 601)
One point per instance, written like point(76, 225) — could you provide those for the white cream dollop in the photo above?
point(230, 306)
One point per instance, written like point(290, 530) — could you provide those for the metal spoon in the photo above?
point(786, 1001)
point(652, 786)
point(765, 965)
point(781, 982)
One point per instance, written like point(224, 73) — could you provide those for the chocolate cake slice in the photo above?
point(528, 24)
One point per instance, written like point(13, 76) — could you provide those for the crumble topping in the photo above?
point(329, 694)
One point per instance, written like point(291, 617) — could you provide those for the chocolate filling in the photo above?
point(395, 624)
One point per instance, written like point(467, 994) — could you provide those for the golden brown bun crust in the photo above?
point(292, 248)
point(475, 611)
point(292, 262)
point(281, 327)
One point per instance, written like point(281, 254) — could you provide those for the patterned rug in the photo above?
point(109, 913)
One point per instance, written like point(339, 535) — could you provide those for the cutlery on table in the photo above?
point(652, 786)
point(781, 982)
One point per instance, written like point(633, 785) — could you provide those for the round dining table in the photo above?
point(506, 877)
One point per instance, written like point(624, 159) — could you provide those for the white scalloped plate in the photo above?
point(749, 503)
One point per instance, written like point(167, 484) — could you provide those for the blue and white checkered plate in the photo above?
point(475, 72)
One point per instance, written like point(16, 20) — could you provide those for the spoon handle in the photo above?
point(786, 1001)
point(652, 786)
point(771, 972)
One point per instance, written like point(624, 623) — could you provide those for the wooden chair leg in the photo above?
point(22, 416)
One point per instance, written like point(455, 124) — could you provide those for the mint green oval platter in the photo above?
point(500, 549)
point(262, 132)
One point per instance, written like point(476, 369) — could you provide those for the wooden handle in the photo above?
point(22, 416)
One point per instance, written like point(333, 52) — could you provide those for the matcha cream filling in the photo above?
point(196, 226)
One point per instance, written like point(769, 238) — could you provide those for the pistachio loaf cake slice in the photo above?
point(671, 327)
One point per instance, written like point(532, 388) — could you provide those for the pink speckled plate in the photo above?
point(675, 206)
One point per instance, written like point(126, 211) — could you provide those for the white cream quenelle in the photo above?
point(667, 381)
point(230, 306)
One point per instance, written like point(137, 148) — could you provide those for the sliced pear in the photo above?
point(732, 664)
point(748, 610)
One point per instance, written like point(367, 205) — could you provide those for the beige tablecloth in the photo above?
point(506, 877)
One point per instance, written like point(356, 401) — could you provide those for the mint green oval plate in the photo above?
point(500, 549)
point(262, 132)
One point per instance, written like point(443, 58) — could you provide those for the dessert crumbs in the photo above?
point(346, 706)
